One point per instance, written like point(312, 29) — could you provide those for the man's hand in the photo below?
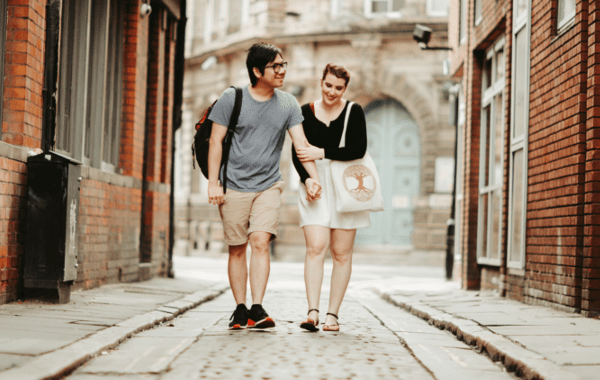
point(215, 194)
point(310, 153)
point(313, 190)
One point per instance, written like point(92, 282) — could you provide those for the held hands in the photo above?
point(215, 194)
point(313, 190)
point(310, 153)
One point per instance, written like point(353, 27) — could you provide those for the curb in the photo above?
point(56, 363)
point(513, 356)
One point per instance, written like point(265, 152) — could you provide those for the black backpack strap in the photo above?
point(235, 114)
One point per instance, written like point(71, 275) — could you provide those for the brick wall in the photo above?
point(562, 249)
point(13, 207)
point(23, 70)
point(111, 203)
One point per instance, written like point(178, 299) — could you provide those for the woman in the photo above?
point(323, 226)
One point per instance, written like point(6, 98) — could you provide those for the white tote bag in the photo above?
point(356, 182)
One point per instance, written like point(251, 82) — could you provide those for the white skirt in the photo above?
point(322, 212)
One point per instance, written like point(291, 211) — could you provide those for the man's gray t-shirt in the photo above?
point(258, 138)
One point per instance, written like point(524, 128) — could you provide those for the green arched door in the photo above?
point(394, 144)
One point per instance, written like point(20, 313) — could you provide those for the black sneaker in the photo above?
point(259, 318)
point(239, 318)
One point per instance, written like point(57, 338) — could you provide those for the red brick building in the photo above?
point(528, 189)
point(98, 81)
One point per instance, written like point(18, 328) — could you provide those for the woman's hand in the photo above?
point(310, 153)
point(313, 190)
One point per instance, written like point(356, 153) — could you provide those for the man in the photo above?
point(250, 207)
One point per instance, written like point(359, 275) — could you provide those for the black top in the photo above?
point(320, 135)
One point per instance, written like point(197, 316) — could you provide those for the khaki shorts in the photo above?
point(243, 213)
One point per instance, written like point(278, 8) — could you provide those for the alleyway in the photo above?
point(377, 341)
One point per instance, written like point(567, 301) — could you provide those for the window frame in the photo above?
point(368, 4)
point(522, 23)
point(489, 96)
point(463, 22)
point(432, 13)
point(478, 12)
point(3, 25)
point(459, 196)
point(567, 18)
point(90, 89)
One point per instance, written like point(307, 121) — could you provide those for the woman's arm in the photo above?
point(356, 138)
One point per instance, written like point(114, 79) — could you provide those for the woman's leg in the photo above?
point(342, 245)
point(317, 242)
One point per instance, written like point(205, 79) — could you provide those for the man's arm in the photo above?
point(300, 141)
point(215, 154)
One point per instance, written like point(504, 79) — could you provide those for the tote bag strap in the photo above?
point(343, 139)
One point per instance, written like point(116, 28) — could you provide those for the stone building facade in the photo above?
point(402, 89)
point(529, 182)
point(96, 81)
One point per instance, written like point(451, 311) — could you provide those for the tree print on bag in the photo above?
point(359, 182)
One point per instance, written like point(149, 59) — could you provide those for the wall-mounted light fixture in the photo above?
point(422, 34)
point(145, 9)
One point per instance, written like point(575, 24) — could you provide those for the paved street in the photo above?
point(377, 340)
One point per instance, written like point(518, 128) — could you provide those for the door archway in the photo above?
point(394, 143)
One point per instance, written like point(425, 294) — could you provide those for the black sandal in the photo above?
point(335, 327)
point(309, 324)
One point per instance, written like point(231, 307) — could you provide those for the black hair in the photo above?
point(259, 56)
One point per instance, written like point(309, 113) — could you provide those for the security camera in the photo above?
point(145, 9)
point(422, 34)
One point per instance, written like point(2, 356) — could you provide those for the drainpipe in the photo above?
point(53, 8)
point(451, 222)
point(177, 104)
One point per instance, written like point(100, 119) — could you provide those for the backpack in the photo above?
point(202, 137)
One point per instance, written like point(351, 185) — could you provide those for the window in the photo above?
point(389, 8)
point(517, 190)
point(464, 15)
point(491, 161)
point(4, 13)
point(90, 82)
point(566, 12)
point(437, 8)
point(478, 14)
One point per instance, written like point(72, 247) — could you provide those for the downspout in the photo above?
point(53, 8)
point(177, 119)
point(451, 222)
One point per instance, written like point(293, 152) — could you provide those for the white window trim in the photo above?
point(458, 216)
point(463, 14)
point(519, 143)
point(478, 8)
point(208, 21)
point(369, 14)
point(567, 18)
point(489, 94)
point(432, 13)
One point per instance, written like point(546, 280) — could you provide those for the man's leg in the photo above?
point(238, 272)
point(260, 264)
point(264, 220)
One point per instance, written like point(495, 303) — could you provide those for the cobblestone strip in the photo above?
point(54, 364)
point(524, 363)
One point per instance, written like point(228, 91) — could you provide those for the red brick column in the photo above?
point(134, 91)
point(24, 72)
point(590, 295)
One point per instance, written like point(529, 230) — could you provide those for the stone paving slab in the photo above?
point(60, 337)
point(545, 343)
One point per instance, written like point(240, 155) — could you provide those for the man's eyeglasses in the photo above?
point(278, 67)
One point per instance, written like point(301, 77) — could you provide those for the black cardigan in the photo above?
point(322, 136)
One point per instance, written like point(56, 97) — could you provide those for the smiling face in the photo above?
point(332, 89)
point(270, 77)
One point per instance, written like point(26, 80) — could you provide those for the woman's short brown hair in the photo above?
point(338, 71)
